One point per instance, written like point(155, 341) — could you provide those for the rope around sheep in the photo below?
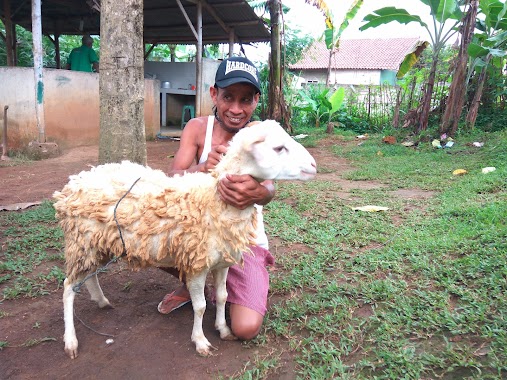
point(76, 288)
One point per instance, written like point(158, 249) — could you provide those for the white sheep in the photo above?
point(166, 221)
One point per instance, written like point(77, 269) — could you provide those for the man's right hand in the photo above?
point(214, 157)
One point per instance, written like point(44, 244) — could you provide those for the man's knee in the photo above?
point(246, 329)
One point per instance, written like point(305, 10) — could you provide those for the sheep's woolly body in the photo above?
point(175, 222)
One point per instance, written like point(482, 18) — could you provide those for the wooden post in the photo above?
point(38, 69)
point(58, 58)
point(198, 63)
point(231, 42)
point(9, 41)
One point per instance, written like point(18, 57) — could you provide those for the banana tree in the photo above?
point(320, 106)
point(487, 45)
point(333, 32)
point(441, 12)
point(457, 90)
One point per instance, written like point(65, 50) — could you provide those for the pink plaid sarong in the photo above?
point(248, 285)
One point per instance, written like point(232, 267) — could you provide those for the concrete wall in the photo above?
point(342, 77)
point(356, 77)
point(71, 107)
point(181, 75)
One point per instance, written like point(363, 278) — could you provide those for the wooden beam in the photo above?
point(9, 41)
point(147, 54)
point(187, 18)
point(210, 9)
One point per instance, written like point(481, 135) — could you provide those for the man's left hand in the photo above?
point(242, 191)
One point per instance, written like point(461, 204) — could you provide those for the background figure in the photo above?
point(84, 57)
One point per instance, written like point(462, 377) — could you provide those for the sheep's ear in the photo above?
point(252, 140)
point(253, 123)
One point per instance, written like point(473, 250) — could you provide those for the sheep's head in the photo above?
point(265, 151)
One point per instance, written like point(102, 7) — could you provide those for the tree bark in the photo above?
point(457, 91)
point(330, 61)
point(474, 107)
point(422, 124)
point(275, 97)
point(121, 82)
point(396, 116)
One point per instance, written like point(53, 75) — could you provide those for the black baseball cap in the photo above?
point(237, 70)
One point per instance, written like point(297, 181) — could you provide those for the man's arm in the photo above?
point(95, 66)
point(184, 159)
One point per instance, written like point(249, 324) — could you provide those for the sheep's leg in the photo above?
point(69, 337)
point(195, 286)
point(96, 294)
point(220, 277)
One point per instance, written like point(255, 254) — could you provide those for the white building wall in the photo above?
point(341, 77)
point(356, 77)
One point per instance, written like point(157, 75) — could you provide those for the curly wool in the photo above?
point(174, 222)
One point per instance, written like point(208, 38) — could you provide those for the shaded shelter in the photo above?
point(197, 22)
point(165, 21)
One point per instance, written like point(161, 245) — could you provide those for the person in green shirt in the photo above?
point(84, 57)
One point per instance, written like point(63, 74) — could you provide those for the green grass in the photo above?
point(414, 292)
point(31, 258)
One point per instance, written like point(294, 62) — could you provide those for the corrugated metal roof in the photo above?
point(163, 20)
point(368, 54)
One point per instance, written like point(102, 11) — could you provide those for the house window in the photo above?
point(310, 83)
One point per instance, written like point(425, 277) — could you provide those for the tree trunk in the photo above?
point(411, 95)
point(328, 77)
point(275, 97)
point(121, 82)
point(458, 87)
point(422, 124)
point(396, 117)
point(474, 107)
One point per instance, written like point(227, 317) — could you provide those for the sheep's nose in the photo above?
point(313, 169)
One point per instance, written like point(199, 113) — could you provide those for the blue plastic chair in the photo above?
point(191, 113)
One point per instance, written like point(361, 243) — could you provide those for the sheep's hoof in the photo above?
point(204, 347)
point(206, 352)
point(229, 336)
point(106, 306)
point(71, 351)
point(226, 333)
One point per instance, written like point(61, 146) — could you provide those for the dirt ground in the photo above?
point(147, 345)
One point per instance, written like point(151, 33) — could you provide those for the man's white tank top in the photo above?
point(262, 239)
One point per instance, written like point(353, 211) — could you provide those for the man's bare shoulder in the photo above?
point(197, 122)
point(195, 130)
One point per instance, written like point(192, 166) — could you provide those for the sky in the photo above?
point(310, 20)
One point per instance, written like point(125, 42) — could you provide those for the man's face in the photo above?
point(235, 104)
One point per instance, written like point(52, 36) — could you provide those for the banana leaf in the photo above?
point(388, 14)
point(411, 59)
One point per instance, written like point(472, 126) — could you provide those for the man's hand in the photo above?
point(214, 157)
point(242, 191)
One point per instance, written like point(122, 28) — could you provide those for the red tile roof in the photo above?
point(372, 54)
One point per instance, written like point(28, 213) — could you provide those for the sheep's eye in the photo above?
point(279, 149)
